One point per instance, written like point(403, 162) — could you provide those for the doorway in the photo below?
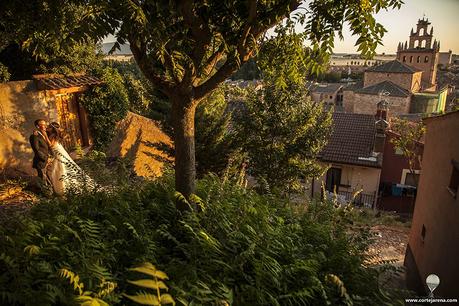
point(333, 179)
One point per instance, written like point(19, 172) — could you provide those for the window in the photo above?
point(426, 59)
point(333, 179)
point(331, 97)
point(411, 59)
point(412, 179)
point(404, 58)
point(418, 60)
point(454, 180)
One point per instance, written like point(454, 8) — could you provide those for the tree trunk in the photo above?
point(183, 113)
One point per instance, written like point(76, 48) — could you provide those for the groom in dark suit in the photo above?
point(40, 149)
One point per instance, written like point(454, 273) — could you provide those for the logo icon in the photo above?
point(432, 282)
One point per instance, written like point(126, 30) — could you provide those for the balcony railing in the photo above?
point(364, 199)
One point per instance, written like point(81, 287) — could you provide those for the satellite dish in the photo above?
point(432, 282)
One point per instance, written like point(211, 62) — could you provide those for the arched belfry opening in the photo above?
point(421, 38)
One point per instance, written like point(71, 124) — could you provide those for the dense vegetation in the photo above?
point(241, 248)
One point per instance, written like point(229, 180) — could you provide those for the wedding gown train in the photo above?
point(65, 174)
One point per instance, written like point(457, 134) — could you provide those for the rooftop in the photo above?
point(325, 87)
point(394, 66)
point(53, 82)
point(387, 86)
point(352, 140)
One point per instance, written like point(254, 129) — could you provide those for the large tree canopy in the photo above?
point(187, 48)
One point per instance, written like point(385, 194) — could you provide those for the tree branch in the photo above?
point(222, 74)
point(210, 64)
point(169, 63)
point(245, 51)
point(140, 55)
point(199, 30)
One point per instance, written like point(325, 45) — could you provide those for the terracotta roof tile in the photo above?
point(352, 140)
point(386, 86)
point(326, 88)
point(55, 82)
point(393, 66)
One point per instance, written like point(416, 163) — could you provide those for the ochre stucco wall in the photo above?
point(20, 105)
point(437, 210)
point(357, 177)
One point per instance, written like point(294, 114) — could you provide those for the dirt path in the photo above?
point(14, 197)
point(390, 242)
point(390, 245)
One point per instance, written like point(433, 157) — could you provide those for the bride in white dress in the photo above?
point(64, 174)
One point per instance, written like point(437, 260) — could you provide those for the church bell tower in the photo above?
point(422, 52)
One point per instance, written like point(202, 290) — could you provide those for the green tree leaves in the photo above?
point(106, 105)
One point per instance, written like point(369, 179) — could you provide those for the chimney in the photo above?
point(381, 125)
point(381, 110)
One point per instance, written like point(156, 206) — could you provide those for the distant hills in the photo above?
point(124, 49)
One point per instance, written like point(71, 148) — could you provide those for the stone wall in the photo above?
point(410, 82)
point(366, 104)
point(20, 105)
point(428, 61)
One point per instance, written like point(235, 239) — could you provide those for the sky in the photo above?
point(443, 14)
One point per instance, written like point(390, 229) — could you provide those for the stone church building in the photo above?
point(407, 83)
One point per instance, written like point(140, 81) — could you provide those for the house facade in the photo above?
point(353, 161)
point(433, 246)
point(49, 97)
point(398, 183)
point(331, 94)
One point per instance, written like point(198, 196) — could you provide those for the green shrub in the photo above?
point(4, 73)
point(106, 104)
point(241, 248)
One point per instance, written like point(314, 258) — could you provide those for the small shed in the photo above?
point(50, 97)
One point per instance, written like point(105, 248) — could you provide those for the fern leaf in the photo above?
point(32, 249)
point(167, 299)
point(149, 283)
point(106, 288)
point(91, 301)
point(148, 269)
point(144, 299)
point(132, 229)
point(74, 279)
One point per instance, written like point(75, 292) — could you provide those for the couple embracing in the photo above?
point(54, 165)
